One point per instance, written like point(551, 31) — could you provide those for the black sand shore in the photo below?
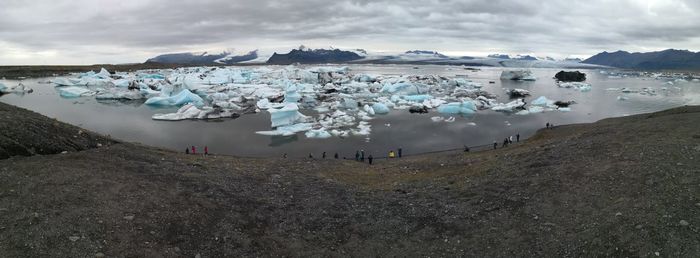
point(621, 187)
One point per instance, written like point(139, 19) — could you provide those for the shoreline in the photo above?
point(623, 186)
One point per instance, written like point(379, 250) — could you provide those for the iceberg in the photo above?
point(463, 108)
point(287, 115)
point(380, 108)
point(543, 101)
point(518, 75)
point(287, 130)
point(318, 134)
point(20, 88)
point(190, 111)
point(404, 88)
point(581, 86)
point(113, 93)
point(517, 93)
point(184, 97)
point(75, 92)
point(62, 82)
point(517, 104)
point(417, 98)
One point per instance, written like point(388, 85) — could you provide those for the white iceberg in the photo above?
point(318, 134)
point(19, 88)
point(510, 106)
point(288, 130)
point(581, 86)
point(286, 115)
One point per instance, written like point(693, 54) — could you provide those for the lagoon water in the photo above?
point(414, 133)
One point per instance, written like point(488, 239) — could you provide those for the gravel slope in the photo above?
point(622, 187)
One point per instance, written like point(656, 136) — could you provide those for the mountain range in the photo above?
point(666, 59)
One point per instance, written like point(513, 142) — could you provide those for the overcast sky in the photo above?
point(125, 31)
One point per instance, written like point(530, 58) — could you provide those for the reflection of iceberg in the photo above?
point(184, 97)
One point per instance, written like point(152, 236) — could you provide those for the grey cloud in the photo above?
point(114, 28)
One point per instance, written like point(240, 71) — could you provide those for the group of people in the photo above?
point(194, 150)
point(507, 141)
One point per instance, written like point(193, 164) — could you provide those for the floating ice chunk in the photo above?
point(287, 115)
point(116, 93)
point(581, 86)
point(437, 119)
point(628, 90)
point(103, 74)
point(543, 101)
point(510, 106)
point(417, 98)
point(318, 134)
point(380, 108)
point(291, 94)
point(288, 130)
point(74, 92)
point(462, 82)
point(364, 128)
point(369, 110)
point(62, 82)
point(151, 76)
point(450, 119)
point(564, 109)
point(19, 88)
point(183, 97)
point(434, 102)
point(471, 123)
point(517, 93)
point(404, 88)
point(348, 103)
point(463, 108)
point(612, 89)
point(123, 83)
point(622, 98)
point(364, 78)
point(518, 75)
point(329, 69)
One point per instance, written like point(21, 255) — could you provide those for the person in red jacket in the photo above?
point(206, 150)
point(194, 151)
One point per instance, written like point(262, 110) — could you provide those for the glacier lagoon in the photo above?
point(610, 94)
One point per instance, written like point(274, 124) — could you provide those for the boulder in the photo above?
point(574, 76)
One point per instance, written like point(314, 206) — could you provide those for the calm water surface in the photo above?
point(131, 121)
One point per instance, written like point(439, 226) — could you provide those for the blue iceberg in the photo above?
point(463, 108)
point(184, 97)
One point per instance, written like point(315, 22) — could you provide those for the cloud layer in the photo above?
point(122, 31)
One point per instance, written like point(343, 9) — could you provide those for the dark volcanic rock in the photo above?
point(418, 109)
point(575, 76)
point(313, 56)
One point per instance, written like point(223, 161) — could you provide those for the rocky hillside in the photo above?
point(667, 59)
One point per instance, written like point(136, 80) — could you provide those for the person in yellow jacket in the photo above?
point(392, 154)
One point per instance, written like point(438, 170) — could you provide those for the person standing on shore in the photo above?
point(547, 125)
point(495, 145)
point(336, 155)
point(362, 155)
point(392, 154)
point(517, 137)
point(466, 148)
point(187, 150)
point(206, 150)
point(357, 155)
point(194, 151)
point(370, 158)
point(324, 155)
point(400, 152)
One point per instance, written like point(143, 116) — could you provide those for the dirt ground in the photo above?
point(622, 187)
